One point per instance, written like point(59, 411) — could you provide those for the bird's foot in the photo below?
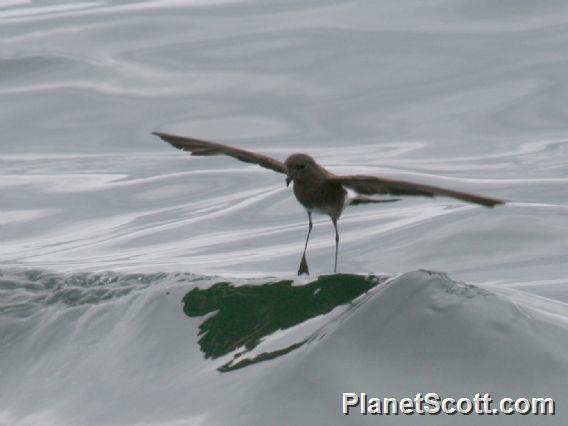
point(303, 267)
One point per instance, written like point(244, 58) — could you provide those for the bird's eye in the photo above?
point(300, 166)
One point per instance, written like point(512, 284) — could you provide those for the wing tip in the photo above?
point(485, 201)
point(160, 135)
point(171, 139)
point(494, 202)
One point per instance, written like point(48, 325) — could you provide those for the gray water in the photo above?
point(468, 94)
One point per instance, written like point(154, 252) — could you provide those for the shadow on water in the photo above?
point(246, 314)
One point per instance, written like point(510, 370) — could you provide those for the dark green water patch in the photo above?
point(246, 314)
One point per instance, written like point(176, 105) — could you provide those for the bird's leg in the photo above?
point(336, 244)
point(304, 264)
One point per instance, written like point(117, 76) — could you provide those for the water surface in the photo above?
point(467, 94)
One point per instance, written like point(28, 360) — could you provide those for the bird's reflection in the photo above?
point(244, 315)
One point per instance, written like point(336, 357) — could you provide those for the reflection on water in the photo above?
point(247, 314)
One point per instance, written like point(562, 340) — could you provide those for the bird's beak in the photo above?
point(288, 180)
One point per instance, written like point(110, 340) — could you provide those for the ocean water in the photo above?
point(139, 285)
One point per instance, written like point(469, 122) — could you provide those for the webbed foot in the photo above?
point(303, 266)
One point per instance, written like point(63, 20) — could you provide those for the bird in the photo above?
point(320, 191)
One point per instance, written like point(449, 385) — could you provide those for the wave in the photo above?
point(167, 343)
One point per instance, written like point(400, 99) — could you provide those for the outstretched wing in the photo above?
point(368, 185)
point(199, 147)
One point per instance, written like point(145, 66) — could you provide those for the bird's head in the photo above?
point(299, 166)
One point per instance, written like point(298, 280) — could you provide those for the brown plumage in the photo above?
point(319, 190)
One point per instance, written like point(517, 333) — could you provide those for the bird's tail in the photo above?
point(361, 199)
